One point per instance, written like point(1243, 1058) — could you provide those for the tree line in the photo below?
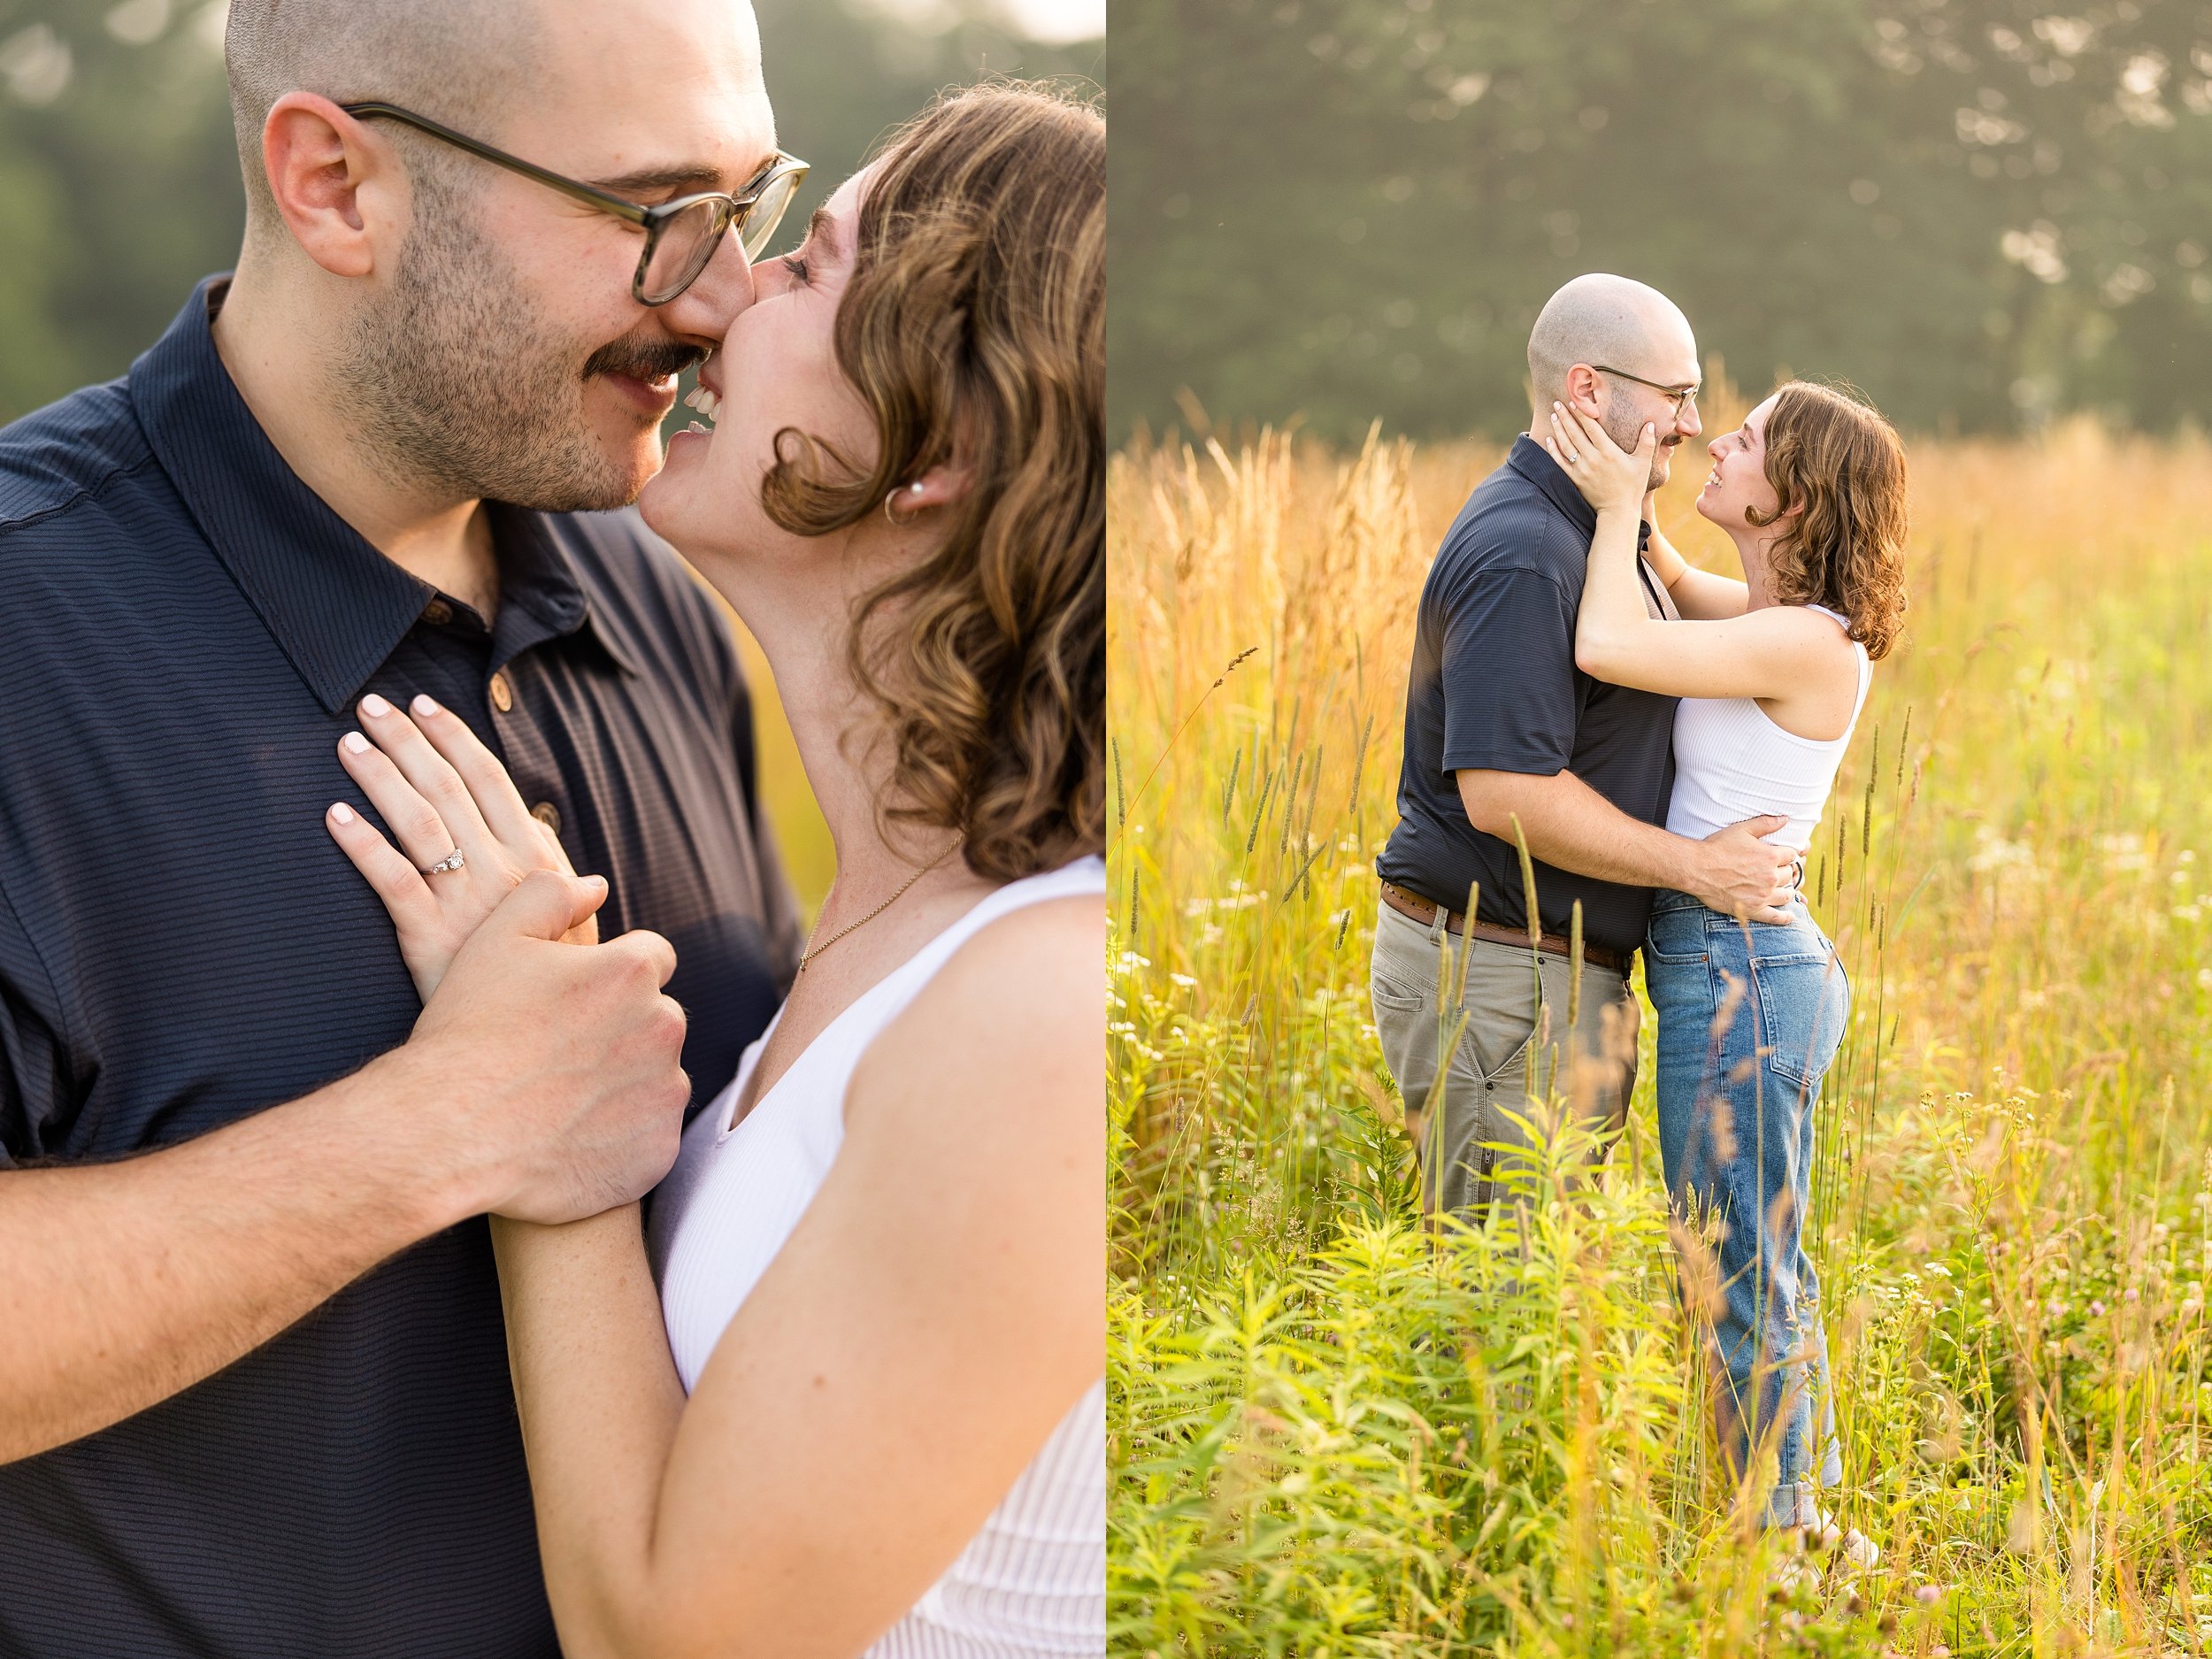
point(119, 174)
point(1985, 213)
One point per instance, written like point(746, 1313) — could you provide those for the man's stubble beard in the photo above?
point(1625, 427)
point(446, 377)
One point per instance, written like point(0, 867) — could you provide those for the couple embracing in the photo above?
point(1662, 740)
point(381, 851)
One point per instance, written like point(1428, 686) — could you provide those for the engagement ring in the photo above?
point(451, 861)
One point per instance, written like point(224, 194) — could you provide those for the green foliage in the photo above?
point(118, 177)
point(1980, 211)
point(1333, 1432)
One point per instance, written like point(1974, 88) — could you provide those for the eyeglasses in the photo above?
point(680, 236)
point(1679, 395)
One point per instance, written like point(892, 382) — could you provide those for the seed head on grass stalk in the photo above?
point(1403, 1544)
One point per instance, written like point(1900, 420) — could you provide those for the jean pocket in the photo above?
point(1677, 936)
point(1395, 998)
point(1803, 1002)
point(1402, 973)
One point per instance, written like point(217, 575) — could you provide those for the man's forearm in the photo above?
point(1570, 827)
point(128, 1281)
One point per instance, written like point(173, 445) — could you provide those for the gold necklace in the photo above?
point(812, 951)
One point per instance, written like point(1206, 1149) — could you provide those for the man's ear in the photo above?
point(1581, 390)
point(338, 187)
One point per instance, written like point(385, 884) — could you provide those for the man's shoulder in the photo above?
point(1509, 526)
point(68, 458)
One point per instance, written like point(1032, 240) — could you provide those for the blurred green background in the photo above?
point(119, 186)
point(1984, 213)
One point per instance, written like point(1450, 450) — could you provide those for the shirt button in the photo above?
point(437, 613)
point(548, 815)
point(503, 694)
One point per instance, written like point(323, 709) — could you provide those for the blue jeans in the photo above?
point(1750, 1016)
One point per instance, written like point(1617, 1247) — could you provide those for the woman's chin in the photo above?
point(660, 503)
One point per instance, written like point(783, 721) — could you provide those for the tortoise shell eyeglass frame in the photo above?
point(1677, 396)
point(756, 208)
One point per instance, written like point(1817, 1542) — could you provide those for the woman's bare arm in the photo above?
point(1700, 595)
point(933, 1316)
point(1766, 653)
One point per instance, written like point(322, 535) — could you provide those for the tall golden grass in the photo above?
point(1332, 1435)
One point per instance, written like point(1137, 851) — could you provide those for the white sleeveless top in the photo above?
point(1731, 762)
point(1033, 1582)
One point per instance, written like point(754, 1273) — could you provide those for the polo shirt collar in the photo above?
point(1533, 463)
point(545, 592)
point(335, 604)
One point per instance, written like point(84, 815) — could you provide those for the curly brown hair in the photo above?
point(1832, 452)
point(974, 329)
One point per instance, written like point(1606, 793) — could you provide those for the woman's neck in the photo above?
point(1754, 548)
point(844, 744)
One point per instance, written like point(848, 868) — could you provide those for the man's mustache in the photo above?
point(646, 360)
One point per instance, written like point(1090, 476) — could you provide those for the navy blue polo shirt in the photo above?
point(184, 630)
point(1494, 686)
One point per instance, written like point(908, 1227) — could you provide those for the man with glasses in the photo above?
point(1508, 744)
point(253, 1390)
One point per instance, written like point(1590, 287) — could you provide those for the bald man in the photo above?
point(254, 1398)
point(1508, 744)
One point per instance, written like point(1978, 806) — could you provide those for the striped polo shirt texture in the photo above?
point(185, 628)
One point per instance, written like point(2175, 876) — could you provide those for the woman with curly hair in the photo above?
point(845, 1392)
point(1772, 671)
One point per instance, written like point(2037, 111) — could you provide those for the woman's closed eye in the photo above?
point(793, 266)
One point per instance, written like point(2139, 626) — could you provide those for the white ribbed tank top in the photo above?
point(1031, 1584)
point(1731, 762)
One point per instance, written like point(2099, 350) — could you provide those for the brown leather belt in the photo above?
point(1423, 912)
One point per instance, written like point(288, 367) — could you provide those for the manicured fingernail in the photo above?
point(342, 812)
point(423, 705)
point(374, 705)
point(357, 744)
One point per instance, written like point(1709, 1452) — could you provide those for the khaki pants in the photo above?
point(1512, 1011)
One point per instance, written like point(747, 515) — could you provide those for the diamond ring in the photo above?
point(451, 861)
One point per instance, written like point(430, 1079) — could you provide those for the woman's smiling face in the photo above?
point(1739, 479)
point(777, 369)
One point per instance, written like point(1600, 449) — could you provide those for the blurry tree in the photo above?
point(1982, 211)
point(118, 177)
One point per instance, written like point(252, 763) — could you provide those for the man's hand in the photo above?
point(556, 1067)
point(1736, 873)
point(544, 1080)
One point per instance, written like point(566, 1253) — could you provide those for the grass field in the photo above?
point(1331, 1436)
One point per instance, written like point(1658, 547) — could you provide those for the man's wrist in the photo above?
point(414, 1120)
point(1690, 875)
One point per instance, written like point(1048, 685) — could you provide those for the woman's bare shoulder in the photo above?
point(1016, 1009)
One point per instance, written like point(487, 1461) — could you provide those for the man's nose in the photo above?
point(1685, 420)
point(703, 312)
